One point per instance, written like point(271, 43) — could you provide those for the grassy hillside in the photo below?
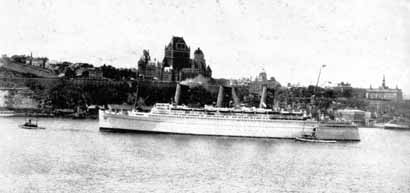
point(24, 69)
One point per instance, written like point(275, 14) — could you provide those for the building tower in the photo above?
point(198, 63)
point(177, 57)
point(142, 64)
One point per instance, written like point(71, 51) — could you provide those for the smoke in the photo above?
point(199, 80)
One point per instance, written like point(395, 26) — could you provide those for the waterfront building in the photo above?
point(384, 93)
point(383, 100)
point(356, 116)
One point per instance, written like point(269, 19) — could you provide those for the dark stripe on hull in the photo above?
point(397, 128)
point(117, 130)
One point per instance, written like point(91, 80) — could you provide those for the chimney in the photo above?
point(220, 96)
point(235, 97)
point(263, 97)
point(177, 96)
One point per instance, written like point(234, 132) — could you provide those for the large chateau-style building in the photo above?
point(176, 65)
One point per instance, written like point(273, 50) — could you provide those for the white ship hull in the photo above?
point(396, 126)
point(159, 123)
point(7, 113)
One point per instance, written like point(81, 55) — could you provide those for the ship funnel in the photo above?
point(263, 97)
point(235, 97)
point(220, 99)
point(274, 101)
point(177, 96)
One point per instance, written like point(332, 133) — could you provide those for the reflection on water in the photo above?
point(73, 156)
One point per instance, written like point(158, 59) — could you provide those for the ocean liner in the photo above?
point(218, 121)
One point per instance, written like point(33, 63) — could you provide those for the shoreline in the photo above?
point(48, 114)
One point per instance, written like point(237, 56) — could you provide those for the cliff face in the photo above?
point(17, 99)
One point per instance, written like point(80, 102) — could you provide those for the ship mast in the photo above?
point(318, 77)
point(315, 88)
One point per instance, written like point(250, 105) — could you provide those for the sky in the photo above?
point(359, 41)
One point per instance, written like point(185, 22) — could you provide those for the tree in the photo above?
point(19, 58)
point(69, 73)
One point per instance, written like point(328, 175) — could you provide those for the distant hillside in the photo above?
point(10, 68)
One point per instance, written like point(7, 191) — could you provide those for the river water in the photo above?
point(73, 156)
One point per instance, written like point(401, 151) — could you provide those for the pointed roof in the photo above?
point(177, 40)
point(198, 51)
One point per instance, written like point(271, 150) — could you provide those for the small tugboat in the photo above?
point(30, 125)
point(308, 138)
point(312, 138)
point(331, 132)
